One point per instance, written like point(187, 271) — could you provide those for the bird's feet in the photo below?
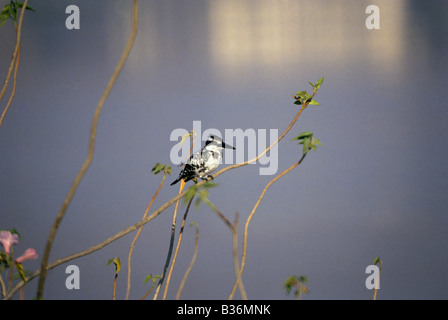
point(208, 178)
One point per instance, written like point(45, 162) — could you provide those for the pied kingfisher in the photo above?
point(204, 161)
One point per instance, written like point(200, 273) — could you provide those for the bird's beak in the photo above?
point(227, 146)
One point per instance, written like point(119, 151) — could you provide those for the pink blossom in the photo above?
point(30, 253)
point(8, 239)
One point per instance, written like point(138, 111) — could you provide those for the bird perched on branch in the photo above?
point(204, 161)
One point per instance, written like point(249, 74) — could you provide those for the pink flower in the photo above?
point(30, 253)
point(8, 239)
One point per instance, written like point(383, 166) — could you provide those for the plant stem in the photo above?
point(173, 228)
point(176, 251)
point(13, 92)
point(239, 280)
point(16, 50)
point(131, 249)
point(89, 157)
point(377, 281)
point(193, 259)
point(115, 286)
point(243, 257)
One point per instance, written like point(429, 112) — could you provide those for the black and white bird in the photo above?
point(204, 161)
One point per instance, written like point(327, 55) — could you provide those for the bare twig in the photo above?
point(173, 228)
point(89, 158)
point(239, 280)
point(193, 259)
point(14, 61)
point(115, 286)
point(249, 218)
point(377, 280)
point(131, 249)
point(13, 91)
point(176, 251)
point(2, 286)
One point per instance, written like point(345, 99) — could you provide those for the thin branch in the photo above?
point(239, 280)
point(131, 249)
point(377, 280)
point(2, 286)
point(89, 158)
point(173, 228)
point(115, 286)
point(176, 251)
point(149, 291)
point(237, 165)
point(13, 92)
point(193, 260)
point(16, 50)
point(249, 218)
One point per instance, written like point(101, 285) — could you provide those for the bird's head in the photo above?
point(216, 143)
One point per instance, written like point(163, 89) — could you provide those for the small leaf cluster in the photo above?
point(201, 192)
point(304, 98)
point(161, 167)
point(152, 278)
point(9, 11)
point(308, 140)
point(377, 261)
point(297, 282)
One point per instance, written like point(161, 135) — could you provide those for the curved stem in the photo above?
point(238, 271)
point(249, 218)
point(193, 259)
point(176, 251)
point(173, 228)
point(16, 50)
point(131, 249)
point(13, 92)
point(89, 158)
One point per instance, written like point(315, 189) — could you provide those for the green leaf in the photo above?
point(161, 167)
point(10, 11)
point(20, 5)
point(303, 279)
point(308, 140)
point(314, 103)
point(201, 192)
point(191, 192)
point(157, 168)
point(14, 231)
point(152, 278)
point(306, 145)
point(302, 94)
point(289, 283)
point(305, 134)
point(376, 260)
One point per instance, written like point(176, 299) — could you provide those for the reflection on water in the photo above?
point(285, 32)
